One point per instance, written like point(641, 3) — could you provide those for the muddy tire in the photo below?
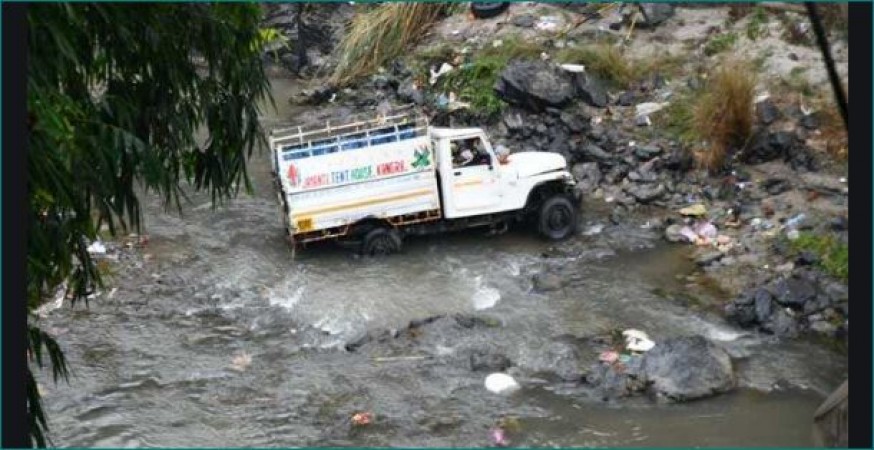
point(557, 219)
point(485, 10)
point(381, 241)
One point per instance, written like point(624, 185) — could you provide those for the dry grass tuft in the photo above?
point(379, 35)
point(832, 129)
point(723, 113)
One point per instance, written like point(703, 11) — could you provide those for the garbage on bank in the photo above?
point(699, 233)
point(696, 210)
point(499, 437)
point(241, 362)
point(499, 432)
point(435, 75)
point(637, 341)
point(361, 419)
point(501, 383)
point(547, 23)
point(97, 248)
point(622, 356)
point(643, 110)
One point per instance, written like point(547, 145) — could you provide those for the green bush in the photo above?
point(720, 44)
point(756, 25)
point(833, 255)
point(474, 81)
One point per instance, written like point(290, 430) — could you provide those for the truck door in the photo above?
point(474, 178)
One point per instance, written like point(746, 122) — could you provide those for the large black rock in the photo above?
point(687, 368)
point(534, 85)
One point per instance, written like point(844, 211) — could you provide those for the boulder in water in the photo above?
point(687, 368)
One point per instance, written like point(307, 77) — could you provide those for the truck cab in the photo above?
point(485, 182)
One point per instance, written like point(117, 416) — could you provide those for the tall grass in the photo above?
point(723, 113)
point(615, 67)
point(380, 35)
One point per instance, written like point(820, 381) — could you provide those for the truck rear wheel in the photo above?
point(558, 218)
point(381, 241)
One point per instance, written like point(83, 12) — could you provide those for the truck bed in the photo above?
point(331, 177)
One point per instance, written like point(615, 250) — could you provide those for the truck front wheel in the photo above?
point(381, 241)
point(558, 218)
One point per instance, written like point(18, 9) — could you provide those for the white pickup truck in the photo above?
point(373, 182)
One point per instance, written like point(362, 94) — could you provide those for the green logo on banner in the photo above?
point(422, 159)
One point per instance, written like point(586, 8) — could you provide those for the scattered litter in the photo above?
point(499, 438)
point(497, 43)
point(241, 362)
point(547, 23)
point(702, 233)
point(333, 98)
point(594, 229)
point(501, 383)
point(596, 120)
point(442, 100)
point(112, 293)
point(608, 356)
point(360, 419)
point(785, 268)
point(97, 248)
point(450, 102)
point(643, 121)
point(805, 110)
point(544, 56)
point(843, 180)
point(637, 341)
point(645, 109)
point(694, 210)
point(706, 230)
point(762, 97)
point(444, 69)
point(625, 359)
point(456, 104)
point(795, 221)
point(575, 68)
point(760, 224)
point(793, 234)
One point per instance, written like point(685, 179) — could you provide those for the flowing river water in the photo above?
point(221, 338)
